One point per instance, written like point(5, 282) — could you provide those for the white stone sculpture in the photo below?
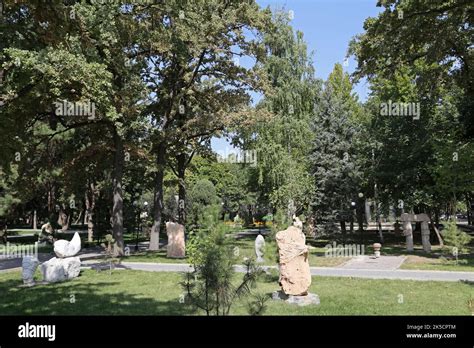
point(58, 270)
point(377, 247)
point(64, 248)
point(259, 247)
point(29, 265)
point(65, 266)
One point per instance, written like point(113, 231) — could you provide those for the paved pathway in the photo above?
point(371, 262)
point(7, 263)
point(318, 271)
point(85, 254)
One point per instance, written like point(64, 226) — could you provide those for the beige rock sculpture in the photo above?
point(295, 275)
point(176, 245)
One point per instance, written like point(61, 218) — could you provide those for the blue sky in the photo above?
point(328, 26)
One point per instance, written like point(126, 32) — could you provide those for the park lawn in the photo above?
point(21, 232)
point(153, 257)
point(127, 292)
point(465, 263)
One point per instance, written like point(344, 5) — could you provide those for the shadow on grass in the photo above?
point(79, 298)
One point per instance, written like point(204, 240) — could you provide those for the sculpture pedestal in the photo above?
point(302, 300)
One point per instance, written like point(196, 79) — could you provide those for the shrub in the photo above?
point(211, 287)
point(454, 238)
point(258, 305)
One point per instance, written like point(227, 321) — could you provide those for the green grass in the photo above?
point(440, 263)
point(127, 292)
point(154, 257)
point(21, 232)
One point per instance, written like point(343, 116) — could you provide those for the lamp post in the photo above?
point(353, 207)
point(360, 215)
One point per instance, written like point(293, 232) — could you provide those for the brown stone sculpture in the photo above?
point(295, 275)
point(176, 245)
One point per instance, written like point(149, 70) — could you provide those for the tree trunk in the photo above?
point(117, 210)
point(453, 207)
point(360, 218)
point(79, 218)
point(468, 209)
point(440, 240)
point(158, 198)
point(35, 220)
point(63, 218)
point(377, 214)
point(51, 202)
point(89, 212)
point(181, 188)
point(343, 229)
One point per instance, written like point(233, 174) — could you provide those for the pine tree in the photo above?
point(333, 160)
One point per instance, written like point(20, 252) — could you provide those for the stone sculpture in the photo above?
point(29, 265)
point(65, 266)
point(295, 275)
point(58, 270)
point(259, 247)
point(47, 234)
point(407, 220)
point(64, 248)
point(176, 244)
point(377, 247)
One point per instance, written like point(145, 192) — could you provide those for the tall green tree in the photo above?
point(438, 34)
point(333, 157)
point(193, 77)
point(78, 52)
point(282, 142)
point(419, 51)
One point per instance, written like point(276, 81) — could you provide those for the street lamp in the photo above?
point(353, 207)
point(360, 215)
